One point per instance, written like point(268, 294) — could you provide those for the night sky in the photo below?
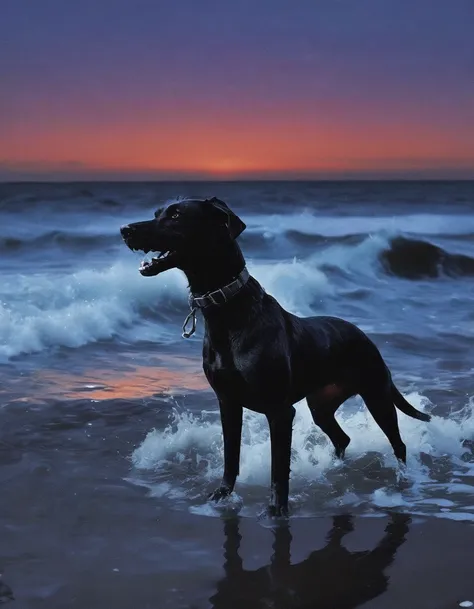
point(93, 89)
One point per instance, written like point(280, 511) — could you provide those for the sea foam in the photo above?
point(190, 448)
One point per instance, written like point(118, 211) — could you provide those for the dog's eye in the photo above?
point(175, 216)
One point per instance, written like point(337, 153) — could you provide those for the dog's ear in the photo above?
point(234, 224)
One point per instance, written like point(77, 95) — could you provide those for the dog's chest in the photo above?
point(228, 370)
point(243, 375)
point(224, 366)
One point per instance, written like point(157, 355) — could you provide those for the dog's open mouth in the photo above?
point(164, 261)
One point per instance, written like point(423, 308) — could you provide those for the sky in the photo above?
point(261, 89)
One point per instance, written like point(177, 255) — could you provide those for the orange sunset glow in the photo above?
point(141, 382)
point(210, 150)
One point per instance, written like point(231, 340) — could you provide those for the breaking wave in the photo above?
point(415, 259)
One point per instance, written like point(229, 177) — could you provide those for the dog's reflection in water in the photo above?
point(330, 578)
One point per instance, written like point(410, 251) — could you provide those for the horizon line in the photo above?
point(184, 179)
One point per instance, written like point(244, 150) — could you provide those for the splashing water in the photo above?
point(183, 461)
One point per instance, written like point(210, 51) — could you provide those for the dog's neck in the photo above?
point(214, 273)
point(211, 272)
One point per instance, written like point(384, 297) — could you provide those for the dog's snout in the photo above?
point(126, 230)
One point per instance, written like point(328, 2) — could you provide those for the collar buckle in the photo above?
point(219, 301)
point(222, 295)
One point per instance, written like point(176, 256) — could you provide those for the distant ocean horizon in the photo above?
point(12, 175)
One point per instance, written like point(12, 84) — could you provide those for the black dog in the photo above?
point(258, 355)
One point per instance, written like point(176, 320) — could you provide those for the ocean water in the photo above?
point(99, 392)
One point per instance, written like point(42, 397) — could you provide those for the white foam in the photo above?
point(440, 502)
point(270, 225)
point(383, 498)
point(458, 516)
point(41, 310)
point(359, 258)
point(368, 476)
point(297, 285)
point(36, 224)
point(228, 506)
point(339, 226)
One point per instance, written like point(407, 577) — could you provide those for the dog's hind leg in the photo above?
point(323, 410)
point(382, 408)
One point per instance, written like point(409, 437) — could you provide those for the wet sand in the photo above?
point(78, 531)
point(105, 543)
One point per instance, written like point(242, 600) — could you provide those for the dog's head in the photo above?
point(181, 231)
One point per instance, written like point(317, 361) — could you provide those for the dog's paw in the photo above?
point(219, 493)
point(225, 504)
point(274, 513)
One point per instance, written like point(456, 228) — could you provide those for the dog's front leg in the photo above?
point(231, 418)
point(281, 428)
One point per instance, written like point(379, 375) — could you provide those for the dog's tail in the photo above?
point(406, 407)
